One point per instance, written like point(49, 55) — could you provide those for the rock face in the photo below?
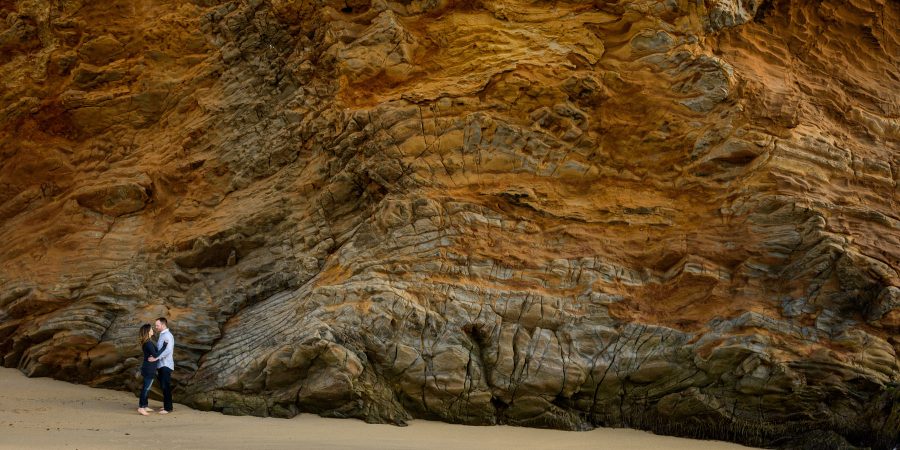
point(679, 216)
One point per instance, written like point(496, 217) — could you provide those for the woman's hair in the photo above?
point(145, 333)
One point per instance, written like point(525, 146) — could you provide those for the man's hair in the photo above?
point(163, 321)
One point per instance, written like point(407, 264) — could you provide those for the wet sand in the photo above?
point(45, 413)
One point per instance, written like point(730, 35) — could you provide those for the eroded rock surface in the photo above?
point(672, 215)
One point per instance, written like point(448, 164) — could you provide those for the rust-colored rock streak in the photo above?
point(679, 216)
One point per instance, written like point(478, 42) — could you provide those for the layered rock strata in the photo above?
point(679, 216)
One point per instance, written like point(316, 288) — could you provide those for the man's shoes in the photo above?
point(162, 411)
point(148, 409)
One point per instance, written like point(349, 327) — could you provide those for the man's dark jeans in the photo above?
point(165, 383)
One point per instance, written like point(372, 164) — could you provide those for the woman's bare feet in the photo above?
point(143, 412)
point(148, 409)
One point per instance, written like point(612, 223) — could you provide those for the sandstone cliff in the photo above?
point(673, 215)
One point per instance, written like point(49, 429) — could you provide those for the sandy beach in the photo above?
point(45, 413)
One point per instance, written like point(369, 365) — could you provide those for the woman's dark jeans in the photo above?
point(148, 381)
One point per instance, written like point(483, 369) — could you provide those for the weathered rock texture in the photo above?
point(680, 216)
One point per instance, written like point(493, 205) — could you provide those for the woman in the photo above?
point(148, 367)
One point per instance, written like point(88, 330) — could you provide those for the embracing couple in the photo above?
point(158, 363)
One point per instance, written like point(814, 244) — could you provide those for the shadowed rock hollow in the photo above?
point(679, 216)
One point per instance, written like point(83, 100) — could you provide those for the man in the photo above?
point(165, 364)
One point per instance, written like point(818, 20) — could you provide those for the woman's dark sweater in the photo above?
point(148, 369)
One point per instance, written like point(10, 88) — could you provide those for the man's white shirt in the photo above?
point(165, 358)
